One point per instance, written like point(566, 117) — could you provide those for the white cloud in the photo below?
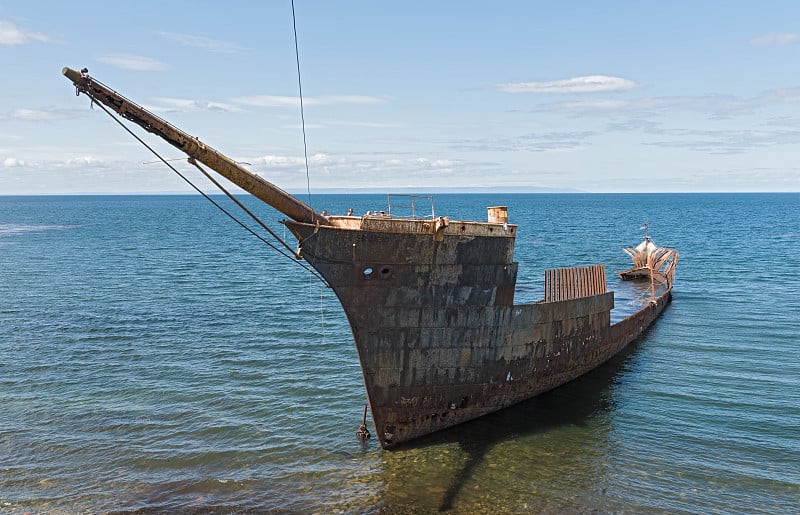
point(347, 99)
point(340, 123)
point(60, 163)
point(381, 171)
point(442, 163)
point(184, 104)
point(83, 161)
point(212, 45)
point(269, 101)
point(534, 142)
point(369, 125)
point(726, 141)
point(783, 95)
point(132, 62)
point(35, 115)
point(775, 39)
point(286, 101)
point(11, 162)
point(716, 106)
point(274, 161)
point(587, 84)
point(782, 121)
point(598, 105)
point(10, 34)
point(337, 170)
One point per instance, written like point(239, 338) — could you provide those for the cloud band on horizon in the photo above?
point(585, 84)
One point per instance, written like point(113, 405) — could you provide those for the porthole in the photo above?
point(368, 271)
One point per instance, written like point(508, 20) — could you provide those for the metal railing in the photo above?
point(409, 208)
point(574, 283)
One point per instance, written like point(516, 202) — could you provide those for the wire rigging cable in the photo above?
point(302, 114)
point(305, 145)
point(215, 203)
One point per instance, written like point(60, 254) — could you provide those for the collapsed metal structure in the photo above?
point(651, 262)
point(431, 302)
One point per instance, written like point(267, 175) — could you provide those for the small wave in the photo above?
point(16, 229)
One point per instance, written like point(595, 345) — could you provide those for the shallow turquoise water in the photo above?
point(154, 356)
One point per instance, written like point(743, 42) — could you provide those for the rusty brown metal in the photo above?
point(572, 283)
point(439, 338)
point(651, 262)
point(363, 433)
point(498, 214)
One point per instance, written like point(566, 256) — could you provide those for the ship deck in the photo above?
point(631, 296)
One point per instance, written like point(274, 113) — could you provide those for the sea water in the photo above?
point(155, 356)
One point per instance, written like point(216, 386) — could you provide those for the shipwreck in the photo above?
point(431, 301)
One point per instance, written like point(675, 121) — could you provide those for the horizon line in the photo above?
point(367, 191)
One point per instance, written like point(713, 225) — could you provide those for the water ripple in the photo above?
point(179, 366)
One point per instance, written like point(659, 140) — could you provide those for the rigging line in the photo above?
point(236, 201)
point(252, 215)
point(201, 192)
point(302, 114)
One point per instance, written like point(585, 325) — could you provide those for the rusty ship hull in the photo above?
point(431, 302)
point(438, 335)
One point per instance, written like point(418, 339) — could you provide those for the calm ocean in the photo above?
point(154, 356)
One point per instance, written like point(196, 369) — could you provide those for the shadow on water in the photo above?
point(572, 404)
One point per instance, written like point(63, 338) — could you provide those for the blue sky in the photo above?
point(510, 96)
